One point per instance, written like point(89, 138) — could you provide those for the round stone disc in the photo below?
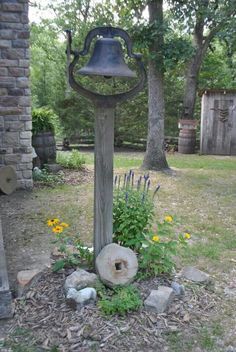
point(116, 265)
point(8, 179)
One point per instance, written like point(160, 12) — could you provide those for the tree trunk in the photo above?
point(191, 84)
point(155, 153)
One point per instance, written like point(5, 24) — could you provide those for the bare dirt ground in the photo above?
point(24, 215)
point(204, 203)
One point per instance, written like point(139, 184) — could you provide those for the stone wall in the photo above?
point(15, 111)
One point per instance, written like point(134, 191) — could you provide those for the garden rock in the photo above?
point(178, 289)
point(193, 274)
point(230, 349)
point(53, 168)
point(116, 265)
point(26, 277)
point(80, 279)
point(159, 300)
point(82, 297)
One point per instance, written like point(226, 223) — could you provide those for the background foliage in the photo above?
point(48, 63)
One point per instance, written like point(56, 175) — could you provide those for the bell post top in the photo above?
point(107, 60)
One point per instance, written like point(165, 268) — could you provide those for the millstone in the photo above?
point(116, 265)
point(8, 179)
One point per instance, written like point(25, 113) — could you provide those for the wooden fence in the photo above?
point(171, 143)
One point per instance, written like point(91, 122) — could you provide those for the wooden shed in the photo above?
point(218, 122)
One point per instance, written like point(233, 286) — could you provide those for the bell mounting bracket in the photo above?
point(96, 98)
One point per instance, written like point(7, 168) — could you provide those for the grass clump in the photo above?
point(73, 160)
point(123, 300)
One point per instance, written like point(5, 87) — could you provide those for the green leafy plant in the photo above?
point(73, 251)
point(123, 300)
point(157, 251)
point(45, 177)
point(132, 210)
point(43, 120)
point(71, 160)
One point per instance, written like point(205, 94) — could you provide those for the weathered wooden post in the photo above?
point(5, 293)
point(107, 61)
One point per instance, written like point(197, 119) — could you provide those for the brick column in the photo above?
point(15, 111)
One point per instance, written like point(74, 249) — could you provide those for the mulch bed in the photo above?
point(69, 177)
point(42, 319)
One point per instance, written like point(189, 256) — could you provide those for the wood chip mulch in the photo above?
point(42, 319)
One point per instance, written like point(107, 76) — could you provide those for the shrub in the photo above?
point(43, 120)
point(71, 160)
point(132, 210)
point(123, 300)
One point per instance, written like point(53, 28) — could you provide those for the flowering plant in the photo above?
point(132, 210)
point(156, 254)
point(71, 248)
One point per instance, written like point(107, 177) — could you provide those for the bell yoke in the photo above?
point(107, 60)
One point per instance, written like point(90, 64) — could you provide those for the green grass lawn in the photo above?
point(180, 161)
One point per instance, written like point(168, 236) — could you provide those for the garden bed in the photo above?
point(43, 320)
point(201, 196)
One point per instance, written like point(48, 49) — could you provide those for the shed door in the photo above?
point(233, 129)
point(222, 124)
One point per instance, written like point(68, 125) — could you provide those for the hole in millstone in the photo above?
point(118, 266)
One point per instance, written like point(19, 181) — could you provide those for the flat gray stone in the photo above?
point(193, 274)
point(159, 300)
point(116, 265)
point(178, 289)
point(230, 291)
point(80, 279)
point(81, 297)
point(53, 168)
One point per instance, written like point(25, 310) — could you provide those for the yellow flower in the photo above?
point(64, 224)
point(156, 238)
point(57, 229)
point(52, 222)
point(187, 236)
point(168, 218)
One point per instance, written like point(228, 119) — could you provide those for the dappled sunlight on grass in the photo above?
point(180, 161)
point(207, 162)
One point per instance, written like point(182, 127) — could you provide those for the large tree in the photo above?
point(149, 37)
point(203, 19)
point(155, 154)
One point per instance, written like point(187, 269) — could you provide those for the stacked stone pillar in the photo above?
point(15, 111)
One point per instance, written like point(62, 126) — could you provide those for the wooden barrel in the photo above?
point(45, 146)
point(187, 141)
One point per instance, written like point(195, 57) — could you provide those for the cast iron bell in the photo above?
point(107, 60)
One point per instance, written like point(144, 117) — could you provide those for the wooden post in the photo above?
point(103, 180)
point(5, 294)
point(104, 129)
